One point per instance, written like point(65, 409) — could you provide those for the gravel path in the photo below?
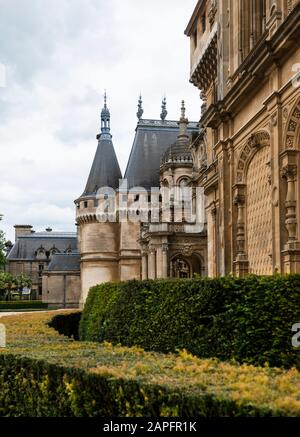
point(12, 313)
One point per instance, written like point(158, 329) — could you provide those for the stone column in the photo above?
point(241, 263)
point(165, 249)
point(213, 212)
point(152, 263)
point(144, 266)
point(290, 173)
point(291, 252)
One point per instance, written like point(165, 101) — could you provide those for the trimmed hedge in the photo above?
point(248, 320)
point(45, 374)
point(22, 305)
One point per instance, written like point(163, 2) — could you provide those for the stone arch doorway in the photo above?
point(183, 267)
point(253, 199)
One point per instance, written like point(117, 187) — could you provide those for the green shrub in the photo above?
point(22, 304)
point(43, 373)
point(249, 320)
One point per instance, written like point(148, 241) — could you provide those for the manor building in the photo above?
point(133, 247)
point(245, 56)
point(244, 154)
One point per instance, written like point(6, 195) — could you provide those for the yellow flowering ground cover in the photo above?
point(273, 390)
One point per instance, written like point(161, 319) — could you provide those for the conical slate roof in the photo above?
point(105, 171)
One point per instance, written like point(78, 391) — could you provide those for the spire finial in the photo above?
point(140, 108)
point(183, 124)
point(105, 117)
point(164, 111)
point(182, 109)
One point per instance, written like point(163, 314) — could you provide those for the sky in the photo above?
point(56, 59)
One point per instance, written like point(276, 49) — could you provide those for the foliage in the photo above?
point(9, 281)
point(22, 280)
point(6, 280)
point(249, 320)
point(45, 374)
point(22, 305)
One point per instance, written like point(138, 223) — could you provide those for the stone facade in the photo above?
point(52, 262)
point(135, 242)
point(244, 154)
point(244, 56)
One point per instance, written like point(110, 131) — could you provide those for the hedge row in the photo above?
point(248, 320)
point(45, 374)
point(22, 304)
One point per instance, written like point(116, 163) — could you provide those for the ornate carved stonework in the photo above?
point(187, 250)
point(256, 141)
point(293, 127)
point(177, 227)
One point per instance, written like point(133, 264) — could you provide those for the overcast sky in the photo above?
point(59, 56)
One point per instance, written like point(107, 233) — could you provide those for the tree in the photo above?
point(6, 284)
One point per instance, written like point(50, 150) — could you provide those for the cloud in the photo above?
point(60, 55)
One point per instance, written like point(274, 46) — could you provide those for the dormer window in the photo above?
point(53, 251)
point(68, 249)
point(41, 253)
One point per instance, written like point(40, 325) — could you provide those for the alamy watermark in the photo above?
point(296, 337)
point(179, 204)
point(2, 335)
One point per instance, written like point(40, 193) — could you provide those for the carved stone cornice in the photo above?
point(206, 69)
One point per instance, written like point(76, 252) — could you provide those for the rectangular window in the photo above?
point(41, 269)
point(203, 23)
point(195, 38)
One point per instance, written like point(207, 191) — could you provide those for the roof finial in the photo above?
point(105, 117)
point(164, 112)
point(140, 108)
point(182, 109)
point(183, 124)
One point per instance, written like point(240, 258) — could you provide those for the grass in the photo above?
point(28, 335)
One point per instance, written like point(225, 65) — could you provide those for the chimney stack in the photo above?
point(21, 230)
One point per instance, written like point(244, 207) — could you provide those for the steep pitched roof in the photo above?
point(65, 263)
point(26, 247)
point(152, 139)
point(105, 171)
